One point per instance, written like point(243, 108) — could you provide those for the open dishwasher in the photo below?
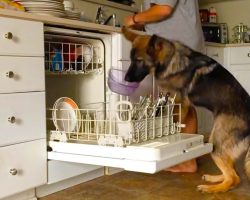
point(88, 123)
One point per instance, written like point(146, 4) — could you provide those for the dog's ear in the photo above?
point(129, 35)
point(155, 45)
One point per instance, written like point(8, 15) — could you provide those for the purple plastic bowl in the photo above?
point(121, 89)
point(118, 76)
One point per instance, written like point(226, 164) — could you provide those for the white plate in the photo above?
point(44, 9)
point(47, 1)
point(66, 115)
point(48, 13)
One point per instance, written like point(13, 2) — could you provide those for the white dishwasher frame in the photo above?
point(148, 157)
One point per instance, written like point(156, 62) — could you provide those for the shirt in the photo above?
point(183, 25)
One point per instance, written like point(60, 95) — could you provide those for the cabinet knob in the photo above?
point(248, 54)
point(8, 35)
point(10, 74)
point(13, 171)
point(12, 119)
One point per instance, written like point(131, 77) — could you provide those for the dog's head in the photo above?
point(149, 54)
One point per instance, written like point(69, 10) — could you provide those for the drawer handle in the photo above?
point(12, 119)
point(8, 35)
point(13, 172)
point(10, 74)
point(248, 54)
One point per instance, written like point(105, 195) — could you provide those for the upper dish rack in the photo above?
point(65, 55)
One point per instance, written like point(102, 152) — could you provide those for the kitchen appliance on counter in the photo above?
point(95, 128)
point(215, 32)
point(240, 34)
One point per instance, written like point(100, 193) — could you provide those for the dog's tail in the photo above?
point(247, 163)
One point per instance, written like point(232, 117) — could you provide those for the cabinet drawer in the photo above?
point(21, 74)
point(22, 117)
point(23, 166)
point(20, 37)
point(240, 55)
point(217, 54)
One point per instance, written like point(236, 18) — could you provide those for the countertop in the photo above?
point(226, 45)
point(50, 20)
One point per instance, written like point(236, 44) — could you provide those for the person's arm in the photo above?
point(154, 14)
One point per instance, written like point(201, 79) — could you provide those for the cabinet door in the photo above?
point(21, 37)
point(21, 74)
point(22, 117)
point(23, 166)
point(240, 55)
point(242, 74)
point(216, 53)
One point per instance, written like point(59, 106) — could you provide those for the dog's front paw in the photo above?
point(203, 188)
point(221, 187)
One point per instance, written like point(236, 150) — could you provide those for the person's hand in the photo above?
point(128, 21)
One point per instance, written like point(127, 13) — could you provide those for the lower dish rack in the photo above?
point(124, 124)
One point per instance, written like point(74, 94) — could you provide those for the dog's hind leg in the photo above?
point(229, 175)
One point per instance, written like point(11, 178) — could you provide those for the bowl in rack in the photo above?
point(117, 83)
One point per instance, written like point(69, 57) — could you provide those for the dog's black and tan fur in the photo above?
point(201, 81)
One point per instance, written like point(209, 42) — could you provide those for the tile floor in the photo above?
point(160, 186)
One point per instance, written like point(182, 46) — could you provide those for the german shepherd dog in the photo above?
point(201, 81)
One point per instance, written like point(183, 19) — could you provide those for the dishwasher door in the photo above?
point(148, 157)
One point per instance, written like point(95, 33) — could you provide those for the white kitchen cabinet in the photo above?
point(242, 74)
point(22, 167)
point(21, 74)
point(236, 59)
point(21, 37)
point(22, 117)
point(239, 55)
point(217, 53)
point(23, 155)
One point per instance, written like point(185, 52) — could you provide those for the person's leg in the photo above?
point(191, 127)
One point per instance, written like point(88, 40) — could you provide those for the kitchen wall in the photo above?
point(90, 9)
point(231, 12)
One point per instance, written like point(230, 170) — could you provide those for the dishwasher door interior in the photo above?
point(148, 157)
